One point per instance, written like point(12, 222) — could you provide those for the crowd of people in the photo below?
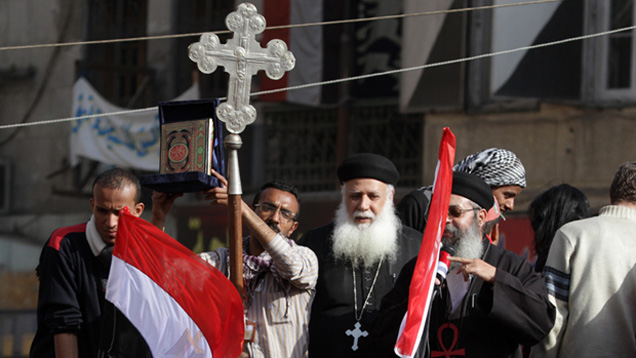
point(342, 290)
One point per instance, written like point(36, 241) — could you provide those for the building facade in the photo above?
point(566, 110)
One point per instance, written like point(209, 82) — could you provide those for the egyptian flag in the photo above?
point(423, 280)
point(182, 306)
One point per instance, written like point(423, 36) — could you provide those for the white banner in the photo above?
point(125, 140)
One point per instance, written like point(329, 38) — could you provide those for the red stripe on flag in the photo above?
point(207, 296)
point(422, 283)
point(277, 13)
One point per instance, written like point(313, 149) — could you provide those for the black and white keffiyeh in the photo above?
point(497, 167)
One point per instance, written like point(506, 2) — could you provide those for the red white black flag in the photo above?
point(423, 281)
point(182, 306)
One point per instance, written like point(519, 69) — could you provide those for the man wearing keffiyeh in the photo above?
point(499, 168)
point(279, 275)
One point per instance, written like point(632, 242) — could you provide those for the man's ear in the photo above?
point(481, 215)
point(138, 210)
point(293, 228)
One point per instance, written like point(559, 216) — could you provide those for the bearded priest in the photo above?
point(492, 302)
point(359, 255)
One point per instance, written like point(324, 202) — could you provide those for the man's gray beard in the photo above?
point(366, 244)
point(467, 243)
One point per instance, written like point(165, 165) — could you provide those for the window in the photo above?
point(613, 55)
point(300, 144)
point(552, 72)
point(619, 45)
point(117, 70)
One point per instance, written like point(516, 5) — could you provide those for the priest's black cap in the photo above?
point(368, 165)
point(474, 188)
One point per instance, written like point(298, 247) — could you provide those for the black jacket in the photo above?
point(71, 295)
point(495, 318)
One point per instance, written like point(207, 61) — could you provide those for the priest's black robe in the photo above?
point(495, 319)
point(332, 312)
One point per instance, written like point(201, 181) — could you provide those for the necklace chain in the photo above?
point(355, 292)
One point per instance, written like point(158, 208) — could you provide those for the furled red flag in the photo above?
point(423, 280)
point(182, 306)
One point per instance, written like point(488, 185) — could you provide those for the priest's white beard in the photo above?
point(467, 243)
point(366, 244)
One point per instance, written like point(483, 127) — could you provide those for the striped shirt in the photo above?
point(280, 304)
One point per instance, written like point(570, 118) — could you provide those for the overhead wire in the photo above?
point(443, 63)
point(278, 27)
point(353, 78)
point(48, 70)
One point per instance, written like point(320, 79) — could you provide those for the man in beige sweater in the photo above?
point(591, 279)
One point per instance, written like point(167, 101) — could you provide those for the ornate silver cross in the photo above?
point(241, 57)
point(356, 334)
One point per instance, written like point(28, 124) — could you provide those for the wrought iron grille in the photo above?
point(301, 144)
point(300, 147)
point(383, 130)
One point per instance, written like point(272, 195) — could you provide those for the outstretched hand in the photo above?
point(476, 267)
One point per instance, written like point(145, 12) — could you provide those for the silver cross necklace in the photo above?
point(356, 333)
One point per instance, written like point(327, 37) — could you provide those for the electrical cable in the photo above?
point(354, 78)
point(46, 76)
point(323, 23)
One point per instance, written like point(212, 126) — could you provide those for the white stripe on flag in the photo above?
point(166, 327)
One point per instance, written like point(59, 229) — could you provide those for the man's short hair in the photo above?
point(118, 178)
point(624, 184)
point(282, 186)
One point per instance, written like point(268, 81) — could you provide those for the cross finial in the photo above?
point(241, 57)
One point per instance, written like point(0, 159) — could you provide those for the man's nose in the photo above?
point(510, 204)
point(112, 219)
point(364, 204)
point(275, 216)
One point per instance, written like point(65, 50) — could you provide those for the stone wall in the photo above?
point(557, 144)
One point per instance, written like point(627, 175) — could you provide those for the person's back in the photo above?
point(591, 278)
point(599, 254)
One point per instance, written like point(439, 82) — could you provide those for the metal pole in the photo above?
point(233, 143)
